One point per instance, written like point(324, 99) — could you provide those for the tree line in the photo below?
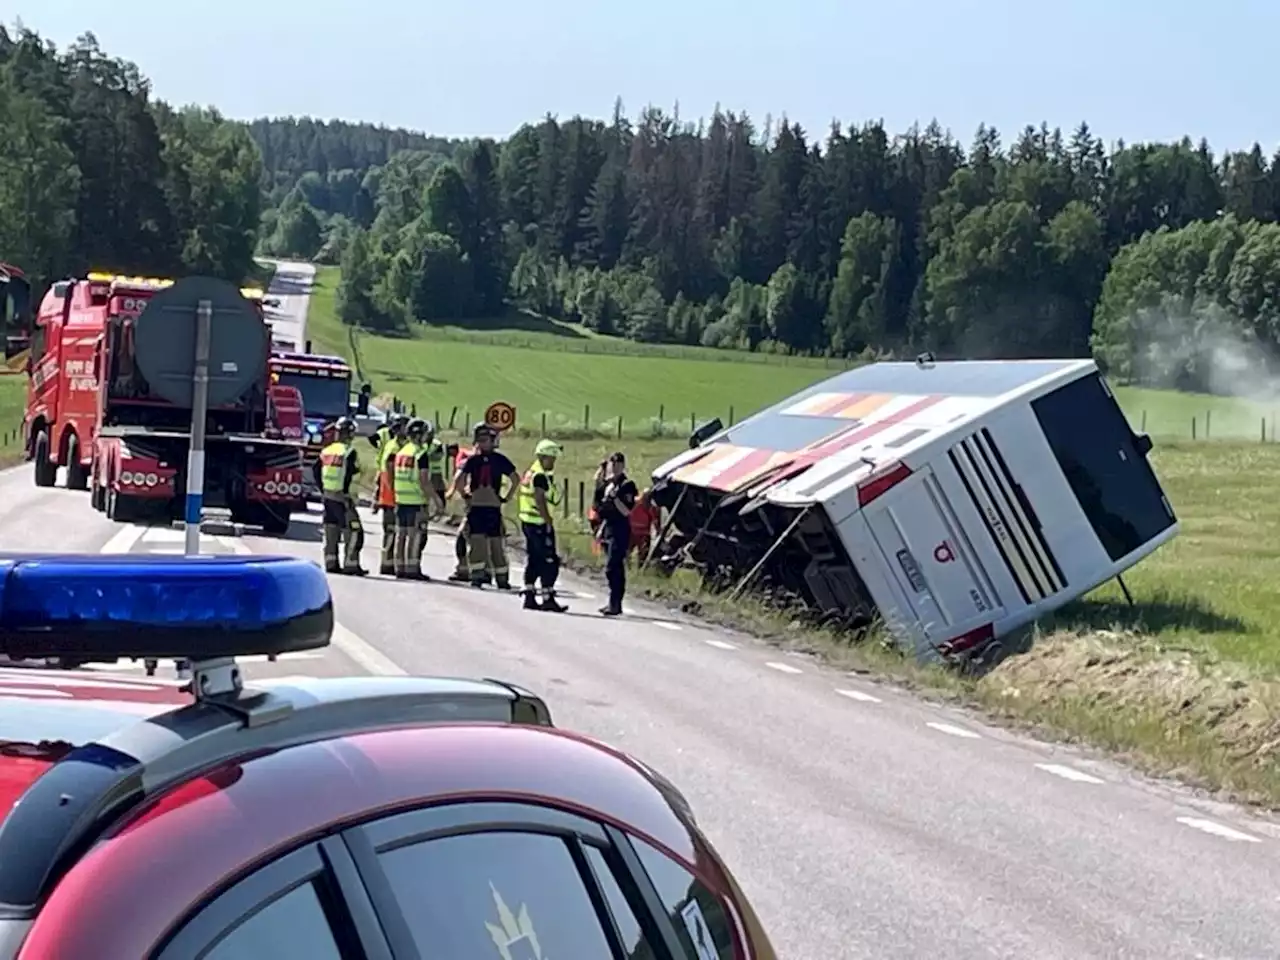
point(725, 234)
point(96, 174)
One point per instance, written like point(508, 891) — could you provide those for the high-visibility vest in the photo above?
point(408, 488)
point(333, 466)
point(526, 503)
point(386, 489)
point(435, 457)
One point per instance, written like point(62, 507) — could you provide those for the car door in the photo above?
point(524, 882)
point(307, 905)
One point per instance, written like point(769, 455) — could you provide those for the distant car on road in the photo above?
point(379, 818)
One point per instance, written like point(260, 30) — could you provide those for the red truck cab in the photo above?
point(90, 410)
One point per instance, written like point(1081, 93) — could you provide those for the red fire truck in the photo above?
point(91, 409)
point(325, 385)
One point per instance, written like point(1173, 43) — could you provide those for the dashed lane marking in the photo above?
point(1068, 773)
point(124, 539)
point(666, 625)
point(1218, 830)
point(365, 654)
point(954, 731)
point(720, 644)
point(782, 667)
point(859, 696)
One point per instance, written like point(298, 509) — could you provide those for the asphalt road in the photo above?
point(862, 821)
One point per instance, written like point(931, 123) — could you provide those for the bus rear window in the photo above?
point(1112, 480)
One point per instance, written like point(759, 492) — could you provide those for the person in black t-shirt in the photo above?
point(480, 482)
point(615, 495)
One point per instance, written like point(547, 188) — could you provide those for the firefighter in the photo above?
point(386, 498)
point(462, 573)
point(538, 493)
point(435, 459)
point(411, 475)
point(336, 473)
point(480, 482)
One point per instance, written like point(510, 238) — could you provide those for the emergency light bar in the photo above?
point(98, 609)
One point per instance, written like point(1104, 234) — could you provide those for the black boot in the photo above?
point(504, 584)
point(332, 567)
point(354, 572)
point(551, 605)
point(387, 570)
point(530, 601)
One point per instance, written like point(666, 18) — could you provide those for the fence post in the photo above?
point(1144, 421)
point(731, 415)
point(1208, 421)
point(544, 428)
point(582, 494)
point(1193, 428)
point(662, 415)
point(466, 419)
point(619, 428)
point(565, 498)
point(586, 416)
point(693, 422)
point(453, 416)
point(1264, 429)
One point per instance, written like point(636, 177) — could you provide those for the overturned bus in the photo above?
point(950, 502)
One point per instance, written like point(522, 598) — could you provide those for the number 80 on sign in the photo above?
point(500, 416)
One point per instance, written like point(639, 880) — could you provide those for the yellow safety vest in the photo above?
point(435, 457)
point(526, 504)
point(333, 466)
point(408, 489)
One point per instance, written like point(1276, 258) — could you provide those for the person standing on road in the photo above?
point(480, 483)
point(335, 473)
point(385, 501)
point(436, 458)
point(616, 496)
point(538, 493)
point(462, 573)
point(411, 483)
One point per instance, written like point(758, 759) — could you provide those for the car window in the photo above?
point(700, 920)
point(293, 926)
point(634, 944)
point(514, 896)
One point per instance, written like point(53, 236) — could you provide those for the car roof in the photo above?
point(44, 714)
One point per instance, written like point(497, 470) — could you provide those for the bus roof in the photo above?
point(855, 421)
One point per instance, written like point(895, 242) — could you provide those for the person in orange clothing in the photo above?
point(644, 524)
point(385, 501)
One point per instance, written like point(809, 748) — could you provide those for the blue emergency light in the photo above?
point(98, 608)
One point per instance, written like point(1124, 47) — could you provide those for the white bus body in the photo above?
point(955, 501)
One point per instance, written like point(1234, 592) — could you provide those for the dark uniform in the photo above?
point(542, 560)
point(335, 471)
point(413, 498)
point(617, 494)
point(481, 481)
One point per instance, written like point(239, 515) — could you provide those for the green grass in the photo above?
point(13, 402)
point(1167, 413)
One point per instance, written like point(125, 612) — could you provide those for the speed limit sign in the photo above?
point(500, 416)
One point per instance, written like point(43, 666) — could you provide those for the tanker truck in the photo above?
point(109, 399)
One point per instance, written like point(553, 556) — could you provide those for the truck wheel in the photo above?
point(77, 475)
point(120, 509)
point(275, 521)
point(98, 498)
point(46, 470)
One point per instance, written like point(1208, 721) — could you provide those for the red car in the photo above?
point(373, 818)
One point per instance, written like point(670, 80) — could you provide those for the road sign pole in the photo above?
point(199, 416)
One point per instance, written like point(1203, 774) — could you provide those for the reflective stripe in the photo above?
point(408, 487)
point(333, 467)
point(526, 503)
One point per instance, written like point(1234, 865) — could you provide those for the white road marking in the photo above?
point(782, 667)
point(720, 644)
point(1218, 830)
point(1068, 773)
point(954, 731)
point(164, 535)
point(235, 545)
point(124, 539)
point(666, 625)
point(858, 695)
point(365, 654)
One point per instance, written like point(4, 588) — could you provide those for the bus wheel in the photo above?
point(46, 470)
point(77, 475)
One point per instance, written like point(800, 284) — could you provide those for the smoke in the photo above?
point(1202, 347)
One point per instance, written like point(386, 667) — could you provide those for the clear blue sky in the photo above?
point(1137, 69)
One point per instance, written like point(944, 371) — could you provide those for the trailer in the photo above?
point(105, 402)
point(950, 503)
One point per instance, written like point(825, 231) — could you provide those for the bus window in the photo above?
point(1098, 452)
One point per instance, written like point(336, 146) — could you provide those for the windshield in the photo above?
point(1113, 482)
point(322, 397)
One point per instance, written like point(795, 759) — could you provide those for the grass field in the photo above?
point(13, 401)
point(544, 370)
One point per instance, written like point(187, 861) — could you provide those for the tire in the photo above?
point(98, 498)
point(120, 509)
point(274, 523)
point(77, 474)
point(46, 471)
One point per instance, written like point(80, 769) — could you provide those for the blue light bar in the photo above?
point(102, 608)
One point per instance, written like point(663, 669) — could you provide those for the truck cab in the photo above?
point(324, 383)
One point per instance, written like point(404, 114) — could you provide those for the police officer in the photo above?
point(617, 495)
point(336, 472)
point(392, 440)
point(411, 476)
point(535, 497)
